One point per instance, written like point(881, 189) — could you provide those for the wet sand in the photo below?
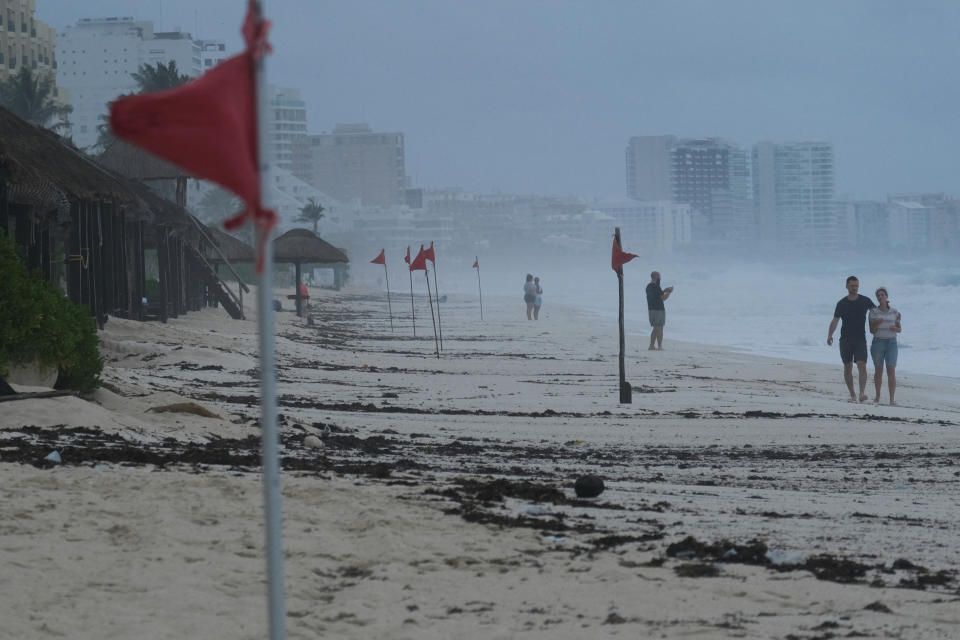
point(744, 496)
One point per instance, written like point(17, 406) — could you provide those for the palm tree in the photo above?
point(311, 212)
point(148, 78)
point(163, 76)
point(32, 97)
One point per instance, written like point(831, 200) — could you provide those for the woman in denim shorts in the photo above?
point(884, 325)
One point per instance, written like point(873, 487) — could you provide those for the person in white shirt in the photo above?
point(884, 325)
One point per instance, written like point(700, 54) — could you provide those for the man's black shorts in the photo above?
point(853, 349)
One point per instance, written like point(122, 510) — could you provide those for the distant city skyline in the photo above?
point(542, 97)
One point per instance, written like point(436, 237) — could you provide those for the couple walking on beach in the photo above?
point(852, 309)
point(533, 296)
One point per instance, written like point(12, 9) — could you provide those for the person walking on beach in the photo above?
point(657, 311)
point(852, 309)
point(884, 325)
point(538, 301)
point(529, 295)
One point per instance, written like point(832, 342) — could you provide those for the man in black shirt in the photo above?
point(657, 312)
point(852, 309)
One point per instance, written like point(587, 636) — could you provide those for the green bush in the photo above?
point(37, 322)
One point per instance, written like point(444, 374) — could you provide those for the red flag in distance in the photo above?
point(620, 257)
point(381, 259)
point(420, 262)
point(406, 258)
point(476, 263)
point(429, 255)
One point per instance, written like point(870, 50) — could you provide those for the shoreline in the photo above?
point(440, 498)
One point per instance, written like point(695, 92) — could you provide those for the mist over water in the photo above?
point(774, 307)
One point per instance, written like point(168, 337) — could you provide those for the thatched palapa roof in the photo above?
point(303, 245)
point(42, 170)
point(233, 250)
point(134, 162)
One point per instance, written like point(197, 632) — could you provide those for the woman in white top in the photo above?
point(884, 325)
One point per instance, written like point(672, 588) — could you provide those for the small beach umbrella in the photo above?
point(382, 259)
point(618, 258)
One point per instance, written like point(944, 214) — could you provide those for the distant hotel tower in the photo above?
point(793, 194)
point(355, 162)
point(709, 174)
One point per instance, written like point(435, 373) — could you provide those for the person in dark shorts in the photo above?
point(852, 310)
point(657, 312)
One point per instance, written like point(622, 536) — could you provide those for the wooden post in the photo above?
point(626, 391)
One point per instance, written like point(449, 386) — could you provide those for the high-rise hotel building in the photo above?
point(793, 194)
point(709, 174)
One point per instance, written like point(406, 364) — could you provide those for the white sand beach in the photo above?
point(745, 497)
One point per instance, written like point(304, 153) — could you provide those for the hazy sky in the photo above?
point(524, 96)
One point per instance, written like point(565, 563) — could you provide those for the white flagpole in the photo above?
point(268, 387)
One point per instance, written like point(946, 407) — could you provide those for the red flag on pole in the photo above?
point(208, 126)
point(406, 258)
point(429, 255)
point(380, 259)
point(476, 263)
point(620, 257)
point(420, 262)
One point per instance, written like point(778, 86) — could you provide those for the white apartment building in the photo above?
point(653, 226)
point(286, 125)
point(793, 196)
point(98, 56)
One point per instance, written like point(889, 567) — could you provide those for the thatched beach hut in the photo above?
point(302, 246)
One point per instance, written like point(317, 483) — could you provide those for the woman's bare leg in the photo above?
point(878, 381)
point(892, 381)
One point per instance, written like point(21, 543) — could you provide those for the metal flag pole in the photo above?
point(268, 401)
point(436, 290)
point(389, 307)
point(427, 277)
point(413, 314)
point(476, 261)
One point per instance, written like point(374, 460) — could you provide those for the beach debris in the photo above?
point(697, 570)
point(588, 486)
point(53, 456)
point(313, 442)
point(185, 407)
point(878, 606)
point(534, 510)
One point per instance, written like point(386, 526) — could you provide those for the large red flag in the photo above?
point(406, 258)
point(620, 257)
point(381, 259)
point(429, 254)
point(420, 262)
point(476, 263)
point(208, 126)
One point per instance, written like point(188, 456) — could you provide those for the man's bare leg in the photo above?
point(653, 339)
point(659, 338)
point(862, 377)
point(848, 378)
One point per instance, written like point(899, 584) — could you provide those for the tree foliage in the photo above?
point(32, 97)
point(311, 212)
point(38, 323)
point(157, 78)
